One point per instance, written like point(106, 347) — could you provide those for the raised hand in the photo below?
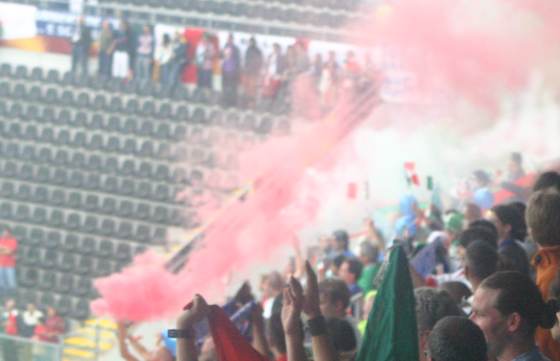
point(311, 294)
point(291, 307)
point(194, 312)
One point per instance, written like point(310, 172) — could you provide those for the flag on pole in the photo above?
point(411, 174)
point(391, 333)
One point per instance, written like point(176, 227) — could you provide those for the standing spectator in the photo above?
point(457, 339)
point(230, 71)
point(369, 255)
point(164, 53)
point(252, 71)
point(543, 221)
point(329, 81)
point(482, 195)
point(205, 54)
point(317, 68)
point(105, 55)
point(31, 317)
point(275, 67)
point(179, 60)
point(350, 272)
point(8, 249)
point(81, 43)
point(508, 307)
point(122, 51)
point(10, 318)
point(144, 54)
point(54, 326)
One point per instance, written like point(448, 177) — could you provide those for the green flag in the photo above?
point(391, 333)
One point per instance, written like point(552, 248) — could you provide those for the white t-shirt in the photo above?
point(32, 318)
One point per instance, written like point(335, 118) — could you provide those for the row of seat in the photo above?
point(127, 187)
point(93, 202)
point(101, 162)
point(75, 222)
point(64, 282)
point(37, 238)
point(67, 263)
point(192, 108)
point(163, 119)
point(67, 306)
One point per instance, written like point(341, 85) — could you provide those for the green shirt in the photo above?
point(368, 276)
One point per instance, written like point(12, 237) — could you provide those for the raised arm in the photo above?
point(186, 347)
point(291, 321)
point(323, 349)
point(123, 347)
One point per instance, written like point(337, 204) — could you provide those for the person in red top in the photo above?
point(52, 328)
point(8, 248)
point(10, 318)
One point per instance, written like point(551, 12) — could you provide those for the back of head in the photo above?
point(432, 305)
point(457, 339)
point(342, 238)
point(342, 335)
point(511, 215)
point(517, 293)
point(543, 217)
point(368, 252)
point(481, 260)
point(479, 233)
point(355, 267)
point(457, 290)
point(547, 180)
point(335, 290)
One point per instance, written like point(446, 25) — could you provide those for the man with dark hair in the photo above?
point(350, 272)
point(481, 261)
point(369, 255)
point(334, 298)
point(456, 339)
point(478, 233)
point(342, 336)
point(340, 244)
point(547, 180)
point(431, 306)
point(508, 307)
point(543, 223)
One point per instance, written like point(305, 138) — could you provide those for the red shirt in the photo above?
point(8, 261)
point(55, 327)
point(11, 323)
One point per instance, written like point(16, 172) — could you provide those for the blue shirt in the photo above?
point(533, 355)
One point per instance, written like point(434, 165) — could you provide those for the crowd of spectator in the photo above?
point(33, 323)
point(244, 78)
point(486, 279)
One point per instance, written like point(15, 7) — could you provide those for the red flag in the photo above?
point(230, 344)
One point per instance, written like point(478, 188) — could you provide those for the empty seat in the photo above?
point(43, 175)
point(57, 198)
point(143, 234)
point(123, 252)
point(84, 265)
point(74, 200)
point(79, 140)
point(87, 245)
point(29, 277)
point(67, 262)
point(66, 280)
point(90, 224)
point(143, 211)
point(128, 168)
point(82, 287)
point(111, 185)
point(47, 281)
point(10, 169)
point(146, 149)
point(113, 124)
point(144, 190)
point(162, 193)
point(64, 117)
point(53, 239)
point(61, 158)
point(109, 206)
point(39, 215)
point(44, 156)
point(125, 209)
point(144, 170)
point(26, 172)
point(104, 268)
point(80, 311)
point(46, 299)
point(73, 222)
point(160, 215)
point(76, 179)
point(113, 145)
point(59, 177)
point(162, 173)
point(22, 213)
point(105, 249)
point(127, 187)
point(130, 126)
point(107, 228)
point(96, 142)
point(71, 243)
point(125, 231)
point(28, 153)
point(78, 160)
point(129, 147)
point(30, 132)
point(49, 259)
point(92, 181)
point(36, 236)
point(146, 129)
point(7, 189)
